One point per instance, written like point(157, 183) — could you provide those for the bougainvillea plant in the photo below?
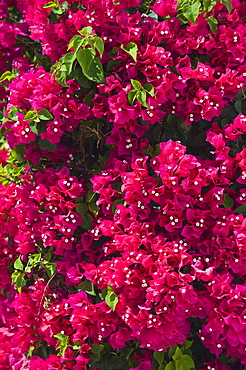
point(123, 185)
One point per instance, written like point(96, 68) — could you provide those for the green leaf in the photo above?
point(112, 63)
point(150, 89)
point(82, 80)
point(86, 31)
point(97, 348)
point(136, 84)
point(7, 76)
point(18, 279)
point(45, 115)
point(159, 356)
point(111, 298)
point(18, 265)
point(48, 256)
point(98, 44)
point(170, 366)
point(57, 10)
point(181, 365)
point(93, 207)
point(191, 12)
point(46, 145)
point(89, 196)
point(31, 115)
point(69, 59)
point(174, 70)
point(213, 23)
point(61, 76)
point(178, 354)
point(131, 49)
point(75, 43)
point(82, 209)
point(18, 152)
point(187, 344)
point(162, 367)
point(87, 286)
point(63, 343)
point(188, 360)
point(153, 15)
point(241, 210)
point(33, 126)
point(132, 95)
point(50, 269)
point(238, 106)
point(90, 65)
point(228, 202)
point(208, 5)
point(227, 4)
point(77, 345)
point(141, 97)
point(87, 221)
point(50, 4)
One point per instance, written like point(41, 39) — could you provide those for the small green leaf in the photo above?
point(141, 97)
point(98, 44)
point(159, 356)
point(213, 23)
point(191, 11)
point(112, 63)
point(63, 343)
point(33, 126)
point(97, 348)
point(227, 4)
point(77, 345)
point(153, 15)
point(132, 95)
point(69, 59)
point(20, 281)
point(111, 298)
point(187, 344)
point(61, 76)
point(228, 202)
point(131, 49)
point(86, 31)
point(150, 89)
point(170, 366)
point(90, 65)
point(31, 115)
point(93, 207)
point(89, 196)
point(82, 209)
point(45, 115)
point(50, 4)
point(18, 152)
point(178, 354)
point(136, 84)
point(7, 76)
point(188, 360)
point(238, 106)
point(87, 222)
point(48, 256)
point(50, 269)
point(241, 210)
point(87, 286)
point(75, 43)
point(18, 265)
point(46, 145)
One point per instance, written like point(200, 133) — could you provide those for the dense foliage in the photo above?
point(123, 173)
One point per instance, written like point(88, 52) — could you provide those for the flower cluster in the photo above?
point(124, 242)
